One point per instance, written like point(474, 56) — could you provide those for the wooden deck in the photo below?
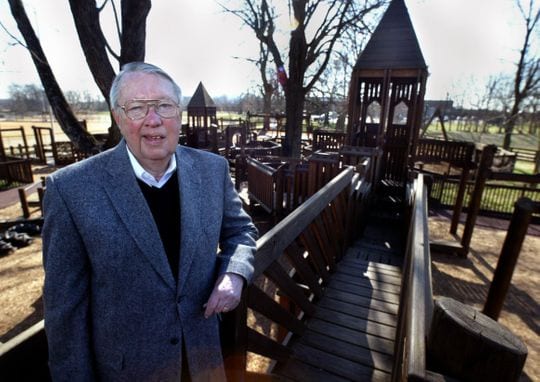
point(351, 335)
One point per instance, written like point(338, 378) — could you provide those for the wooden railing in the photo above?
point(16, 171)
point(416, 298)
point(279, 185)
point(25, 356)
point(527, 155)
point(265, 185)
point(328, 140)
point(459, 154)
point(293, 263)
point(20, 151)
point(497, 198)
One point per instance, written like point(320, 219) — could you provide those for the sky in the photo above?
point(463, 42)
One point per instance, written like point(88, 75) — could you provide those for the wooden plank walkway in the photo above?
point(351, 336)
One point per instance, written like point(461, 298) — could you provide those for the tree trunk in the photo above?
point(94, 46)
point(294, 107)
point(93, 43)
point(268, 91)
point(133, 39)
point(510, 123)
point(61, 109)
point(295, 92)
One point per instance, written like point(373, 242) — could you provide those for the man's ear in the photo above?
point(117, 117)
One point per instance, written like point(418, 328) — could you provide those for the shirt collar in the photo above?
point(148, 178)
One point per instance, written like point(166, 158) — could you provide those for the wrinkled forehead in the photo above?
point(145, 86)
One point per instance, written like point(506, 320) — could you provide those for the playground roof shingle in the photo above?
point(201, 98)
point(393, 44)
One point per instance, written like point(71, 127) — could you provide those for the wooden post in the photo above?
point(474, 206)
point(2, 148)
point(460, 197)
point(279, 181)
point(234, 341)
point(26, 149)
point(41, 195)
point(240, 170)
point(469, 346)
point(24, 203)
point(517, 230)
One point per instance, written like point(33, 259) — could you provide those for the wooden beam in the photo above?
point(474, 206)
point(502, 277)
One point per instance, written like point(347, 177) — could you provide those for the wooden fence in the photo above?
point(265, 185)
point(279, 185)
point(16, 171)
point(459, 154)
point(527, 155)
point(498, 198)
point(328, 140)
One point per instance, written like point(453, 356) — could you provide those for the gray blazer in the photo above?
point(112, 308)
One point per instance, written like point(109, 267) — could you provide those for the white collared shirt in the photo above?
point(148, 178)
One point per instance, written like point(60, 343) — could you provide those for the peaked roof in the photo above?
point(393, 44)
point(201, 98)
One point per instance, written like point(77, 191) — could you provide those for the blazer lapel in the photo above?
point(124, 192)
point(190, 210)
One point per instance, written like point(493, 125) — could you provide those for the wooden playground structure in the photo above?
point(343, 286)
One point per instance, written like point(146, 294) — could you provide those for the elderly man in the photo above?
point(133, 276)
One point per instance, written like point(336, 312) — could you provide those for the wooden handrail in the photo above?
point(416, 300)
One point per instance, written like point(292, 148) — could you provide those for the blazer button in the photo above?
point(175, 341)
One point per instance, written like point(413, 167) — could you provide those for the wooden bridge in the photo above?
point(335, 288)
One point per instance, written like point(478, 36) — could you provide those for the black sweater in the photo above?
point(164, 203)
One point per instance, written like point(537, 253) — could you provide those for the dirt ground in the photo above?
point(464, 279)
point(468, 279)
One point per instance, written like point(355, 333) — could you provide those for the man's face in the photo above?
point(152, 139)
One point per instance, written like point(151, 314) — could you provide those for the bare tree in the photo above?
point(60, 108)
point(269, 85)
point(132, 37)
point(527, 76)
point(324, 22)
point(26, 98)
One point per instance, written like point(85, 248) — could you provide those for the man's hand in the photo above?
point(226, 294)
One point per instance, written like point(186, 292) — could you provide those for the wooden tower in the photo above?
point(201, 130)
point(386, 93)
point(201, 108)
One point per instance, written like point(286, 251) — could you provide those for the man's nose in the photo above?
point(152, 117)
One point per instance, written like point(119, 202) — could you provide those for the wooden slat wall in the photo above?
point(297, 257)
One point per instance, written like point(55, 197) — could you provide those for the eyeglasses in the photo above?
point(138, 108)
